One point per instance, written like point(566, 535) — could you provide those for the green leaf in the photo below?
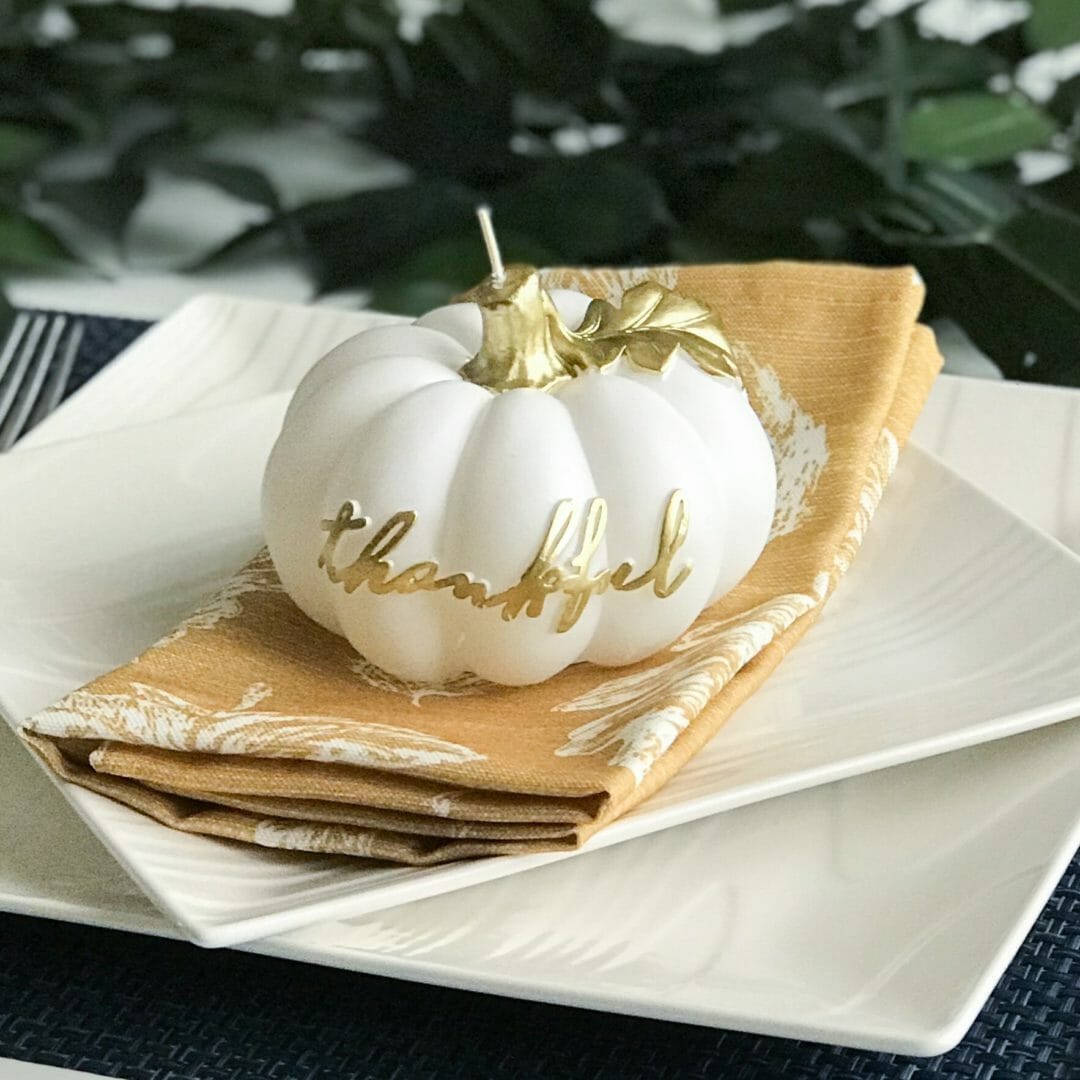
point(1016, 294)
point(20, 145)
point(1061, 194)
point(205, 118)
point(446, 268)
point(1064, 106)
point(731, 7)
point(447, 127)
point(275, 239)
point(1045, 246)
point(357, 239)
point(560, 45)
point(803, 108)
point(961, 201)
point(203, 27)
point(241, 181)
point(931, 65)
point(586, 209)
point(760, 196)
point(27, 244)
point(1053, 24)
point(473, 64)
point(704, 243)
point(967, 129)
point(407, 295)
point(7, 317)
point(104, 203)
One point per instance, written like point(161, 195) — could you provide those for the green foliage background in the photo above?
point(818, 140)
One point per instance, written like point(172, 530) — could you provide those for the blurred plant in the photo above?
point(839, 133)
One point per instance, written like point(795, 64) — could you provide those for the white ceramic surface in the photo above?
point(835, 902)
point(932, 643)
point(213, 350)
point(916, 655)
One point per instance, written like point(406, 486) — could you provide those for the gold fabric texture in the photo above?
point(250, 722)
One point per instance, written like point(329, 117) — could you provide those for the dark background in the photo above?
point(831, 135)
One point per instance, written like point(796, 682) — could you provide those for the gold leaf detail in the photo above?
point(649, 326)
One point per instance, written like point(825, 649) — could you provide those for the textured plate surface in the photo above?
point(988, 836)
point(934, 643)
point(214, 350)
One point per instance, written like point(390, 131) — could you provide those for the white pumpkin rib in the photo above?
point(398, 341)
point(748, 481)
point(462, 322)
point(647, 451)
point(458, 493)
point(662, 388)
point(522, 459)
point(403, 460)
point(303, 459)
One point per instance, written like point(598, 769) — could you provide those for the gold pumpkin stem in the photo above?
point(521, 325)
point(526, 344)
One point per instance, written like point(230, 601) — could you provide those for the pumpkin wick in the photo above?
point(487, 230)
point(522, 329)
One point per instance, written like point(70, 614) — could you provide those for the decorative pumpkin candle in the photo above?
point(513, 484)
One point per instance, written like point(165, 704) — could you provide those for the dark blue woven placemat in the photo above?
point(103, 338)
point(129, 1006)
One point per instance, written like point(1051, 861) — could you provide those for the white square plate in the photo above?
point(934, 643)
point(875, 912)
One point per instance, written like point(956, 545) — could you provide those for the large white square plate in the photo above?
point(958, 625)
point(875, 912)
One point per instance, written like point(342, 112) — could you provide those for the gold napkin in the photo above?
point(252, 723)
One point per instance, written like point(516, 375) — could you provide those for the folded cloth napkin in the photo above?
point(250, 722)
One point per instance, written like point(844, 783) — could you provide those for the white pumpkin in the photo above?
point(385, 424)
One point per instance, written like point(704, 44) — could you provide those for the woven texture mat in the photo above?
point(127, 1006)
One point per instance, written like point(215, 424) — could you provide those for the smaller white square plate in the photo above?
point(957, 625)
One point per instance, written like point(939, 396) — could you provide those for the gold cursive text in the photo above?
point(550, 571)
